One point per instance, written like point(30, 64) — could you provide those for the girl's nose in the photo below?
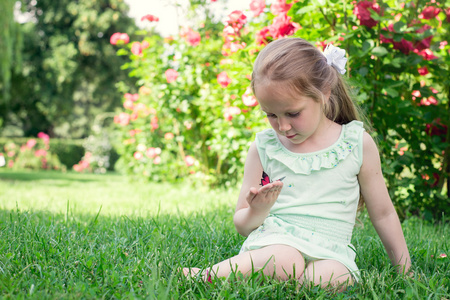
point(283, 125)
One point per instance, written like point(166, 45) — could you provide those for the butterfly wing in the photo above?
point(265, 179)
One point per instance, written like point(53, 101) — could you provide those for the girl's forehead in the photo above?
point(275, 89)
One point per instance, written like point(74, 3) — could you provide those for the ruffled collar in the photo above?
point(305, 163)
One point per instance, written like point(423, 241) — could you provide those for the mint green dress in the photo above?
point(316, 210)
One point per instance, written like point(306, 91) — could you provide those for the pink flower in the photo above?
point(121, 38)
point(429, 12)
point(257, 7)
point(171, 75)
point(248, 98)
point(415, 94)
point(151, 152)
point(136, 48)
point(122, 119)
point(145, 45)
point(427, 54)
point(128, 104)
point(423, 71)
point(428, 101)
point(282, 26)
point(150, 18)
point(442, 255)
point(169, 136)
point(447, 13)
point(44, 137)
point(189, 160)
point(157, 160)
point(230, 112)
point(191, 37)
point(363, 9)
point(280, 7)
point(40, 152)
point(132, 97)
point(138, 155)
point(223, 79)
point(31, 143)
point(236, 20)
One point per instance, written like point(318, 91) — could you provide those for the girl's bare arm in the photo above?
point(254, 201)
point(380, 208)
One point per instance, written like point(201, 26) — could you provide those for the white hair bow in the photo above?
point(335, 58)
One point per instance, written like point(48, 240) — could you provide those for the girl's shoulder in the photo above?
point(350, 141)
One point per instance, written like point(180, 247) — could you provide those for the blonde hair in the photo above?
point(304, 69)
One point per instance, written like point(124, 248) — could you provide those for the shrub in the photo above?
point(194, 104)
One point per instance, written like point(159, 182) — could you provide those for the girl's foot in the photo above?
point(191, 272)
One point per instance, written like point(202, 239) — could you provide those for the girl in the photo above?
point(315, 163)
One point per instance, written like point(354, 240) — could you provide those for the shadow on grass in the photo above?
point(9, 175)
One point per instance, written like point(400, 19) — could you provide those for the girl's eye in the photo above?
point(271, 115)
point(293, 115)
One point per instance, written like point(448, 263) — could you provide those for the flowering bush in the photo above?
point(34, 154)
point(194, 114)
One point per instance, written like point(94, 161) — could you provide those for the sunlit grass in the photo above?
point(55, 242)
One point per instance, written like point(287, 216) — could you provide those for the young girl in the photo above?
point(303, 177)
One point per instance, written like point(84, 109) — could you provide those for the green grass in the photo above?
point(100, 236)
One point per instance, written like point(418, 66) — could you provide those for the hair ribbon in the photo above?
point(336, 58)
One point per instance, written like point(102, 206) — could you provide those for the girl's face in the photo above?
point(295, 118)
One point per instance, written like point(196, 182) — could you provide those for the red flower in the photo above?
point(119, 38)
point(136, 48)
point(150, 18)
point(282, 26)
point(223, 79)
point(404, 45)
point(447, 13)
point(279, 7)
point(171, 75)
point(363, 9)
point(436, 128)
point(262, 36)
point(425, 43)
point(257, 7)
point(236, 19)
point(423, 70)
point(429, 12)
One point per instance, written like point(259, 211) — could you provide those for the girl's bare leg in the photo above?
point(327, 273)
point(280, 260)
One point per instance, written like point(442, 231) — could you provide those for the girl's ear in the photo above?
point(326, 97)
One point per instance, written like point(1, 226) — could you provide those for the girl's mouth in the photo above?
point(290, 136)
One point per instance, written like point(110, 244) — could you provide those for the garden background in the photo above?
point(84, 90)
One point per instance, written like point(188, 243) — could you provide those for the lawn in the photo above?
point(102, 236)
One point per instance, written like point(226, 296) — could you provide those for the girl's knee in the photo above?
point(327, 273)
point(283, 261)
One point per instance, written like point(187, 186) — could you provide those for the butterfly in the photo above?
point(266, 180)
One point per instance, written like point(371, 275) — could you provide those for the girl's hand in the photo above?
point(262, 199)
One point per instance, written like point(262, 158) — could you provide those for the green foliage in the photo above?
point(69, 67)
point(86, 236)
point(398, 66)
